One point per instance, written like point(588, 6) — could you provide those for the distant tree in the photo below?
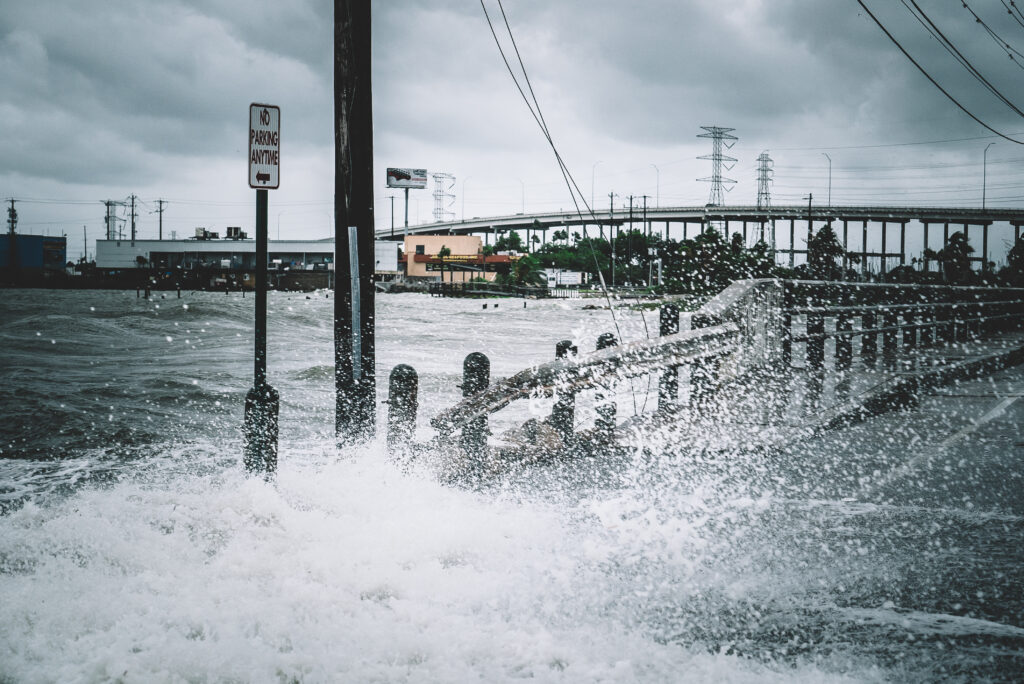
point(560, 235)
point(1013, 273)
point(825, 255)
point(955, 259)
point(510, 242)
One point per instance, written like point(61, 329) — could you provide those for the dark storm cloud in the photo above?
point(125, 92)
point(128, 91)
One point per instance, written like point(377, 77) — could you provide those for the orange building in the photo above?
point(466, 261)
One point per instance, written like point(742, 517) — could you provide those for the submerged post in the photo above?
point(606, 409)
point(354, 353)
point(668, 386)
point(403, 403)
point(262, 401)
point(563, 413)
point(476, 375)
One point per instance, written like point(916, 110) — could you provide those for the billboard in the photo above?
point(407, 178)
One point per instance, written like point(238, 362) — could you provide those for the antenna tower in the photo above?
point(718, 135)
point(444, 197)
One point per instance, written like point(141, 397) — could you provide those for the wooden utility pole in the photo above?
point(354, 355)
point(133, 219)
point(160, 212)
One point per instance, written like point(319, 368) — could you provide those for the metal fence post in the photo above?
point(844, 340)
point(868, 340)
point(815, 341)
point(889, 321)
point(403, 403)
point(476, 375)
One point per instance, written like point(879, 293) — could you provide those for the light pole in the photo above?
point(522, 187)
point(279, 224)
point(593, 168)
point(829, 179)
point(464, 197)
point(984, 172)
point(657, 186)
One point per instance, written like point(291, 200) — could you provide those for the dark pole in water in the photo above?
point(354, 357)
point(261, 403)
point(403, 403)
point(476, 375)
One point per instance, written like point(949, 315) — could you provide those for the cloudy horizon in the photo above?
point(151, 99)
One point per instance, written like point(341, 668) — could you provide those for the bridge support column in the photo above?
point(924, 252)
point(846, 256)
point(563, 413)
point(903, 243)
point(792, 242)
point(882, 270)
point(668, 386)
point(864, 250)
point(984, 248)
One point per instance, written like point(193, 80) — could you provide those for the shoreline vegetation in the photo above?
point(633, 262)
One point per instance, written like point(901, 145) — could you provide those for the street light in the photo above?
point(592, 169)
point(464, 197)
point(522, 187)
point(829, 179)
point(984, 172)
point(657, 186)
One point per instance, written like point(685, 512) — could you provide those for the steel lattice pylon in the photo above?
point(765, 174)
point(718, 135)
point(444, 198)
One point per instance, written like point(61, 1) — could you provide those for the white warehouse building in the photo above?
point(231, 254)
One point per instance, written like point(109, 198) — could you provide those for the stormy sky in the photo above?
point(100, 101)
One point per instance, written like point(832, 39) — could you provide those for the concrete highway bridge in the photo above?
point(878, 233)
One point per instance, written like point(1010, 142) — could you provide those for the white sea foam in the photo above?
point(345, 569)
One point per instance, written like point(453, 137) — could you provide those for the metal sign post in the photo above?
point(262, 401)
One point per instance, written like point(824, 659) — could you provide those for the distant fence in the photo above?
point(472, 289)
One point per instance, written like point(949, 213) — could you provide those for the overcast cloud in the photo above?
point(102, 100)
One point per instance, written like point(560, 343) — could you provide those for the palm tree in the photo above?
point(441, 254)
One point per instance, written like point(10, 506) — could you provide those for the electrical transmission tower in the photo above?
point(765, 176)
point(718, 137)
point(444, 197)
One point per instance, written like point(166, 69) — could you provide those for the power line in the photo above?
point(948, 45)
point(1003, 44)
point(929, 77)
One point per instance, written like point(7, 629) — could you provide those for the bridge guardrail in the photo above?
point(752, 324)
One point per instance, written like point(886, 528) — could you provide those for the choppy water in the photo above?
point(133, 548)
